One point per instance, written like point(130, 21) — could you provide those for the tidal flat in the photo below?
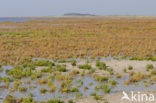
point(65, 79)
point(77, 59)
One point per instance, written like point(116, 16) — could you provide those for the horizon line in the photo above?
point(72, 16)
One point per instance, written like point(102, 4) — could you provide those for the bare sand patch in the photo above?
point(118, 65)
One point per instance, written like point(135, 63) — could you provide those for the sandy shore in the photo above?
point(117, 65)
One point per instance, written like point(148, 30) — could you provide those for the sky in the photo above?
point(9, 8)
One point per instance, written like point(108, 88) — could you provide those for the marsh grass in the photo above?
point(47, 70)
point(153, 72)
point(131, 73)
point(60, 68)
point(55, 100)
point(16, 84)
point(16, 72)
point(5, 79)
point(36, 75)
point(53, 74)
point(1, 69)
point(85, 88)
point(32, 86)
point(93, 94)
point(68, 89)
point(112, 82)
point(77, 41)
point(28, 100)
point(9, 99)
point(110, 70)
point(137, 77)
point(100, 78)
point(130, 67)
point(22, 89)
point(101, 65)
point(43, 80)
point(149, 67)
point(105, 88)
point(12, 99)
point(51, 77)
point(61, 77)
point(98, 97)
point(5, 86)
point(153, 78)
point(82, 73)
point(70, 101)
point(43, 90)
point(118, 75)
point(52, 87)
point(73, 62)
point(153, 58)
point(85, 66)
point(75, 72)
point(125, 70)
point(62, 60)
point(44, 63)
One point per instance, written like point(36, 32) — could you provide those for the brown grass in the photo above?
point(77, 37)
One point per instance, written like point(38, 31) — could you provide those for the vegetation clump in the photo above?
point(96, 96)
point(130, 67)
point(153, 72)
point(106, 88)
point(52, 87)
point(70, 101)
point(44, 63)
point(73, 62)
point(75, 72)
point(5, 79)
point(28, 100)
point(149, 67)
point(1, 69)
point(43, 90)
point(22, 89)
point(60, 68)
point(19, 72)
point(125, 70)
point(112, 82)
point(101, 65)
point(55, 100)
point(69, 89)
point(100, 77)
point(9, 99)
point(153, 78)
point(137, 77)
point(16, 72)
point(85, 66)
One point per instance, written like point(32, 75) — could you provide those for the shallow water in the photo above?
point(102, 58)
point(21, 18)
point(85, 79)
